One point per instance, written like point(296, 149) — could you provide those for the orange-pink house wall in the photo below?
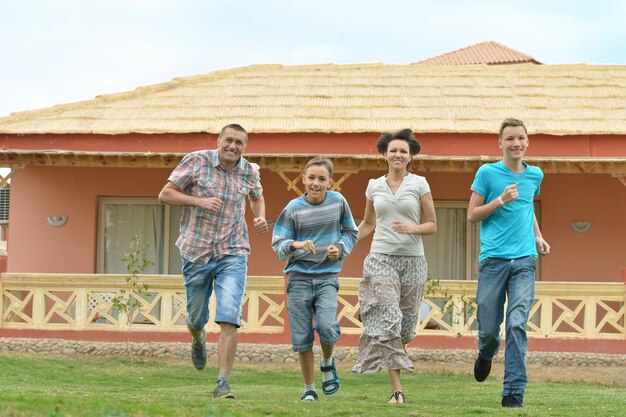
point(598, 254)
point(322, 143)
point(39, 192)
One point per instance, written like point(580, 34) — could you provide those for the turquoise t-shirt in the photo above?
point(508, 232)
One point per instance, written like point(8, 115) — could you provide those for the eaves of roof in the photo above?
point(295, 162)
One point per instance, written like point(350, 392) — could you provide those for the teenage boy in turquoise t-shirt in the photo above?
point(510, 240)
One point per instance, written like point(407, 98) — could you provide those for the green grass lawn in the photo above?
point(95, 387)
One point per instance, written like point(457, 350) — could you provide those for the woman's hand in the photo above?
point(401, 227)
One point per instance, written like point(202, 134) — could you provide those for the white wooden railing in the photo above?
point(84, 302)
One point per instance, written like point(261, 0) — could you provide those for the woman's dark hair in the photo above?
point(405, 135)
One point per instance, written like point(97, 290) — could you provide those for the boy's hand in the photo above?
point(510, 193)
point(307, 245)
point(542, 246)
point(333, 252)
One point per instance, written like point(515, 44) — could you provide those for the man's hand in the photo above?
point(333, 252)
point(212, 204)
point(260, 224)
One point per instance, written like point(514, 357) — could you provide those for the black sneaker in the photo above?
point(198, 354)
point(511, 401)
point(482, 369)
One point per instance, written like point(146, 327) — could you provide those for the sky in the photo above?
point(61, 51)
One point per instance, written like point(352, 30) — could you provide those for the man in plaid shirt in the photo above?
point(212, 185)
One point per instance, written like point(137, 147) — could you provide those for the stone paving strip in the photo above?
point(281, 354)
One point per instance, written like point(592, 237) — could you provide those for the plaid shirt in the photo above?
point(204, 235)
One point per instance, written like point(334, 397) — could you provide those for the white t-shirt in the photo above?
point(405, 206)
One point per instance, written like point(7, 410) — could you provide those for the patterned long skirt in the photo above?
point(390, 294)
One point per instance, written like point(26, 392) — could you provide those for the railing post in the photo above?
point(167, 297)
point(590, 316)
point(458, 317)
point(122, 320)
point(253, 310)
point(38, 308)
point(81, 308)
point(546, 315)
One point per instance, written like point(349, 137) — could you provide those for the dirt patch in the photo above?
point(606, 375)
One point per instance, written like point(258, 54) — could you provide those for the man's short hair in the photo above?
point(321, 161)
point(233, 126)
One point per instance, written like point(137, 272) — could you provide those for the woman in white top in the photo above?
point(399, 209)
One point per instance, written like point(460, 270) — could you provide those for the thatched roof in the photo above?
point(551, 99)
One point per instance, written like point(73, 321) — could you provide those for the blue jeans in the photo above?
point(498, 279)
point(312, 298)
point(228, 276)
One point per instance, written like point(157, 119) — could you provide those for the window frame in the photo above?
point(471, 247)
point(471, 256)
point(103, 201)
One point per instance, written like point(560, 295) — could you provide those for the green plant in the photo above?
point(433, 286)
point(465, 308)
point(126, 301)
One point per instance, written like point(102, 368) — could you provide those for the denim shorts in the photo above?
point(228, 276)
point(309, 299)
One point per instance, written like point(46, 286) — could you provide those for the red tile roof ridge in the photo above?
point(489, 52)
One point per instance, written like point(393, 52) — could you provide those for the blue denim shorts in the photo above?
point(228, 276)
point(309, 299)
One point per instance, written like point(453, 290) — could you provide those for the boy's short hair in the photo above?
point(404, 134)
point(513, 123)
point(321, 161)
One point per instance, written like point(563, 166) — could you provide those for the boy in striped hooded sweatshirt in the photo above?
point(314, 233)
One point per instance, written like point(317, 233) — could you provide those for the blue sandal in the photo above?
point(332, 385)
point(309, 396)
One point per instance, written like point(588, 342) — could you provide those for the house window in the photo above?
point(119, 219)
point(452, 252)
